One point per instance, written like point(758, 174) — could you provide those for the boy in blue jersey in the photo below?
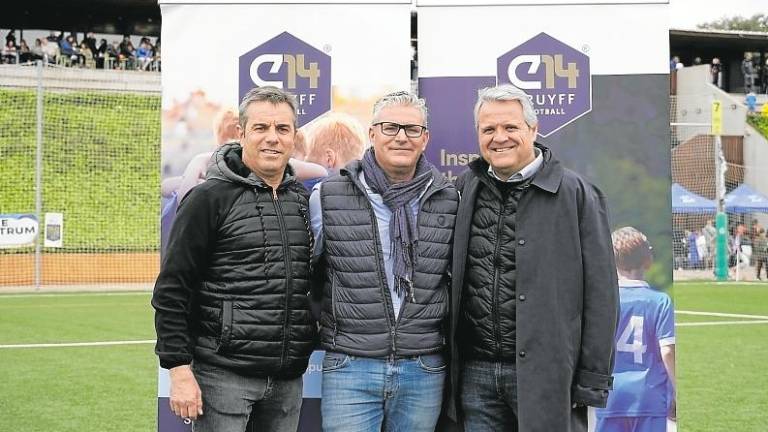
point(643, 395)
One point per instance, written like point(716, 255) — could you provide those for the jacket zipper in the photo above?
point(393, 324)
point(495, 294)
point(289, 272)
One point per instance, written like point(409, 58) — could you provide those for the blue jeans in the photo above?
point(374, 395)
point(237, 403)
point(489, 396)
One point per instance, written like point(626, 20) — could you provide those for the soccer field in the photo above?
point(52, 383)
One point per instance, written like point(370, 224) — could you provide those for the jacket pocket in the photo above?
point(226, 326)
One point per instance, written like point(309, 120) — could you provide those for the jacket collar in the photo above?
point(227, 165)
point(547, 178)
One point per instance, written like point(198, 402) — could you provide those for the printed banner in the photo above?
point(17, 230)
point(54, 230)
point(599, 86)
point(324, 53)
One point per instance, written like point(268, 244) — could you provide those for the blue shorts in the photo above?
point(631, 424)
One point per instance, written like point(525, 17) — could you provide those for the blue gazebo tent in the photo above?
point(685, 201)
point(744, 199)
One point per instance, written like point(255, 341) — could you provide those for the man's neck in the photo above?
point(632, 274)
point(400, 176)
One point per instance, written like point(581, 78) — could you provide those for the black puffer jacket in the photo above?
point(488, 312)
point(232, 290)
point(357, 316)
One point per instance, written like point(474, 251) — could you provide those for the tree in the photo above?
point(758, 22)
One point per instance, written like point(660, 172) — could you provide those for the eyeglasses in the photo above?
point(392, 129)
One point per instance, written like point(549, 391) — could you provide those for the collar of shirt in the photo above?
point(631, 283)
point(525, 173)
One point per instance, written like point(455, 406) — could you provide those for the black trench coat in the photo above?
point(567, 277)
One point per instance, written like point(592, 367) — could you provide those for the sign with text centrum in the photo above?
point(555, 76)
point(287, 62)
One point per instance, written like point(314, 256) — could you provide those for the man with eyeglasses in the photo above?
point(383, 230)
point(534, 294)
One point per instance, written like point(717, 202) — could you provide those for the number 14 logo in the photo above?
point(631, 339)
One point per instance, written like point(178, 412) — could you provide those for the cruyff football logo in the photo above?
point(553, 68)
point(296, 68)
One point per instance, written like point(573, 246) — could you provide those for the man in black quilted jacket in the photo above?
point(232, 316)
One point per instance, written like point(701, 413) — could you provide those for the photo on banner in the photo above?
point(214, 52)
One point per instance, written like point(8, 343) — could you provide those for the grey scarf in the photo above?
point(403, 231)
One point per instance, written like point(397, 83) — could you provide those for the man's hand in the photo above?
point(186, 399)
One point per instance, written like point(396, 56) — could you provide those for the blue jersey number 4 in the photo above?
point(631, 339)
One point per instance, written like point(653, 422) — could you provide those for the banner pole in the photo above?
point(39, 176)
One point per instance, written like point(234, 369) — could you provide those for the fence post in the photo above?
point(39, 179)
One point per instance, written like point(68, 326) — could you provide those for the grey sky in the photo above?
point(685, 14)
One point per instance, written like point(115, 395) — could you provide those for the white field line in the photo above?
point(78, 344)
point(78, 294)
point(719, 314)
point(714, 323)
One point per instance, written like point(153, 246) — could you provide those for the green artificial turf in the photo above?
point(720, 369)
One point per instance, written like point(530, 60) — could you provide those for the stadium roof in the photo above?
point(723, 39)
point(137, 17)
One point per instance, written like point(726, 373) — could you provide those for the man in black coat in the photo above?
point(534, 292)
point(233, 320)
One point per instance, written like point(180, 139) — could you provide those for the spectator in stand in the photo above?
point(9, 52)
point(127, 52)
point(748, 71)
point(11, 37)
point(90, 40)
point(764, 79)
point(696, 61)
point(68, 49)
point(37, 50)
point(716, 71)
point(25, 54)
point(113, 52)
point(101, 54)
point(51, 51)
point(761, 253)
point(144, 55)
point(86, 56)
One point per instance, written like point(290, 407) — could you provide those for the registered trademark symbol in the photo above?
point(585, 48)
point(327, 48)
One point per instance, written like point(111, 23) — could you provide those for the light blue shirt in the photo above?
point(525, 173)
point(383, 216)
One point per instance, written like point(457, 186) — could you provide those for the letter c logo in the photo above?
point(276, 60)
point(535, 62)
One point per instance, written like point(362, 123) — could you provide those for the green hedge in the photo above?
point(759, 122)
point(101, 165)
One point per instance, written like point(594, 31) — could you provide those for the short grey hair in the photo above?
point(400, 98)
point(273, 95)
point(507, 92)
